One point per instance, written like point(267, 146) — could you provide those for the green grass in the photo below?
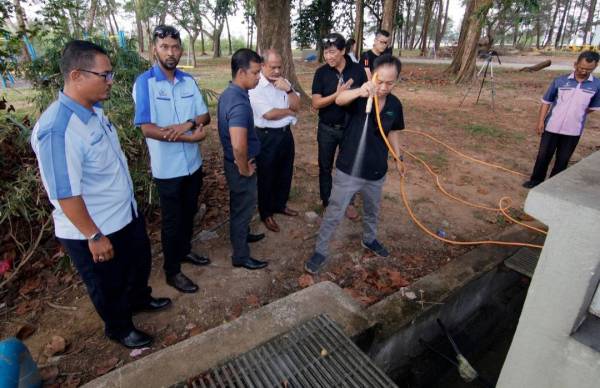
point(484, 130)
point(19, 98)
point(438, 161)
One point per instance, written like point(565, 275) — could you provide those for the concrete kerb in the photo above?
point(204, 351)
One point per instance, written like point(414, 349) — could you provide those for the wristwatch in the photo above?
point(95, 237)
point(194, 125)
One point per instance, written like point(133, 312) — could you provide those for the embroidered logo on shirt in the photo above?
point(389, 113)
point(162, 93)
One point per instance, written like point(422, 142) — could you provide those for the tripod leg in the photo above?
point(471, 85)
point(487, 64)
point(493, 86)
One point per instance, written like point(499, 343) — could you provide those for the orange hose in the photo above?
point(500, 208)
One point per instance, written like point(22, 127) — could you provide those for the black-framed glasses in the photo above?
point(107, 75)
point(163, 32)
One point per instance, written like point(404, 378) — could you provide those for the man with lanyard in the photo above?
point(363, 171)
point(275, 105)
point(380, 47)
point(240, 149)
point(562, 116)
point(172, 114)
point(85, 174)
point(337, 75)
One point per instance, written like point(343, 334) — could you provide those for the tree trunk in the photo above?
point(562, 25)
point(407, 24)
point(22, 24)
point(574, 31)
point(471, 39)
point(464, 26)
point(217, 39)
point(413, 31)
point(588, 24)
point(388, 20)
point(91, 15)
point(228, 35)
point(193, 39)
point(428, 10)
point(139, 25)
point(445, 25)
point(202, 48)
point(358, 27)
point(438, 25)
point(273, 29)
point(554, 16)
point(538, 30)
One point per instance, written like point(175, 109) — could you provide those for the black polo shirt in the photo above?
point(375, 158)
point(325, 83)
point(367, 59)
point(234, 110)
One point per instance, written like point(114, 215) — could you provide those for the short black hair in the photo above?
point(387, 59)
point(333, 39)
point(162, 31)
point(240, 60)
point(589, 56)
point(79, 54)
point(349, 43)
point(382, 32)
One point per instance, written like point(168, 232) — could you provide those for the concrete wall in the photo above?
point(543, 352)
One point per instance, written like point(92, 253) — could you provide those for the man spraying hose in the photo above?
point(363, 171)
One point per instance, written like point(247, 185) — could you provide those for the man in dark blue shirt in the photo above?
point(240, 148)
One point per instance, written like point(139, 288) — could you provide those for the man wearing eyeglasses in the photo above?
point(85, 174)
point(172, 114)
point(338, 74)
point(380, 47)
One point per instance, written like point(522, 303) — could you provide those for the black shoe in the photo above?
point(134, 339)
point(182, 283)
point(530, 184)
point(155, 304)
point(252, 238)
point(196, 259)
point(249, 263)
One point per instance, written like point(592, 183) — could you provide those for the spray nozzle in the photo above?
point(370, 99)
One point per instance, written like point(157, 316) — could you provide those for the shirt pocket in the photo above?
point(98, 157)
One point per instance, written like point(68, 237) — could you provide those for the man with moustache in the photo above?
point(337, 75)
point(172, 114)
point(85, 174)
point(240, 149)
point(275, 105)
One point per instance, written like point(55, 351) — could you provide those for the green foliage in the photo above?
point(312, 22)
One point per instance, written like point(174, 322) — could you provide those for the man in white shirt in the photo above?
point(275, 105)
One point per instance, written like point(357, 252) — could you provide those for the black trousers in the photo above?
point(274, 168)
point(119, 285)
point(242, 203)
point(550, 144)
point(329, 139)
point(178, 206)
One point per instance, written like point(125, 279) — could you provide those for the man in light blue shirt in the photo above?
point(172, 114)
point(86, 176)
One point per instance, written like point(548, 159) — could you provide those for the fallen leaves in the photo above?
point(25, 331)
point(106, 366)
point(305, 280)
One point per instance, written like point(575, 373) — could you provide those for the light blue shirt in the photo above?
point(79, 154)
point(160, 102)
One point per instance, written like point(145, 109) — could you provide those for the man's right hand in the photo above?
point(102, 250)
point(540, 128)
point(345, 86)
point(248, 169)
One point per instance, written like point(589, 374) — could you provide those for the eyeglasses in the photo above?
point(329, 41)
point(164, 32)
point(108, 75)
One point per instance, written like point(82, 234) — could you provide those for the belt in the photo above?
point(337, 127)
point(266, 130)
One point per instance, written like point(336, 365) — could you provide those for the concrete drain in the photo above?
point(523, 261)
point(314, 354)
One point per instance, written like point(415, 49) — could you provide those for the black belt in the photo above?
point(266, 130)
point(337, 127)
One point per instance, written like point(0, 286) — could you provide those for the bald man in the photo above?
point(275, 105)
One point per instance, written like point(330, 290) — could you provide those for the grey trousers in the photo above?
point(344, 187)
point(242, 204)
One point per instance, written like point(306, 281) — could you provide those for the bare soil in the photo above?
point(50, 298)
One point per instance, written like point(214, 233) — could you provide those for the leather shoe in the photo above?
point(252, 238)
point(134, 339)
point(249, 263)
point(289, 212)
point(182, 283)
point(155, 304)
point(196, 259)
point(271, 224)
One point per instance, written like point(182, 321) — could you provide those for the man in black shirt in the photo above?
point(337, 75)
point(380, 47)
point(363, 158)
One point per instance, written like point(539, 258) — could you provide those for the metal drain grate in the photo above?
point(523, 261)
point(314, 354)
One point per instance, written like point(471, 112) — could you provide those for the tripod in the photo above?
point(488, 65)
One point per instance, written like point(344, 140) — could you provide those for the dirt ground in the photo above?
point(53, 302)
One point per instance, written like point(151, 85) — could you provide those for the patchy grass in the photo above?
point(438, 161)
point(485, 130)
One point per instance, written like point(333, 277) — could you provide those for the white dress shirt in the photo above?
point(265, 97)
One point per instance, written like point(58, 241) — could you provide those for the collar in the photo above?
point(161, 76)
point(238, 88)
point(82, 112)
point(263, 82)
point(589, 79)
